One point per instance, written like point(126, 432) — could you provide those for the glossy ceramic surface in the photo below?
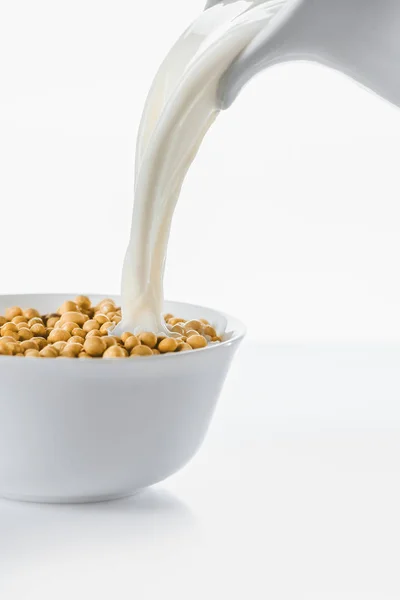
point(360, 38)
point(88, 430)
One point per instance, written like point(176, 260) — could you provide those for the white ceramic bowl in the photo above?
point(88, 430)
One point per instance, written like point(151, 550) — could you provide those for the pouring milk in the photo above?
point(204, 71)
point(181, 107)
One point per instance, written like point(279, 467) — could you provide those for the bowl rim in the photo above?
point(236, 326)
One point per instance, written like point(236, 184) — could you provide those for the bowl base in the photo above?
point(68, 499)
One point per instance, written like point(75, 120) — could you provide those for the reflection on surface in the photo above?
point(36, 532)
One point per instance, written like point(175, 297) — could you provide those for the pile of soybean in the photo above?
point(80, 330)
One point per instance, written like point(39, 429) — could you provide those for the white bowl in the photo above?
point(89, 430)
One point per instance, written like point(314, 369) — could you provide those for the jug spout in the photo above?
point(360, 38)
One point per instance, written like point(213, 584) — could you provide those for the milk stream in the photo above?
point(180, 108)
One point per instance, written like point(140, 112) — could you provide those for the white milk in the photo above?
point(181, 106)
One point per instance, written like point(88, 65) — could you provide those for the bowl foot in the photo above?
point(67, 499)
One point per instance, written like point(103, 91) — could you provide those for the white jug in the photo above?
point(361, 38)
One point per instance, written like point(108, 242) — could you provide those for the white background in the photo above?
point(289, 219)
point(290, 216)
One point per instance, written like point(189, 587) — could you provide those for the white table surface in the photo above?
point(294, 495)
